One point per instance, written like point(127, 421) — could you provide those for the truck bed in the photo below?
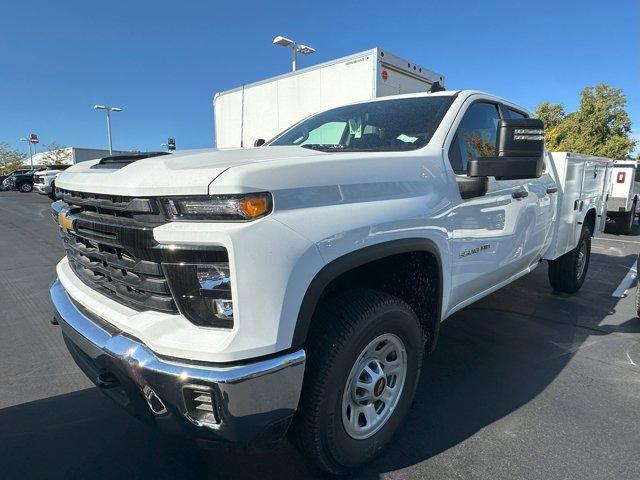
point(583, 183)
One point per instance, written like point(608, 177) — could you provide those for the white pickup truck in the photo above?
point(239, 294)
point(44, 182)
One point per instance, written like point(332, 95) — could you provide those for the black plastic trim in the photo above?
point(355, 259)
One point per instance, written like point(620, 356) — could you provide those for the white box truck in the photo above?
point(623, 196)
point(263, 109)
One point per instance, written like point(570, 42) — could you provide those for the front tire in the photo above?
point(25, 187)
point(52, 193)
point(567, 273)
point(364, 360)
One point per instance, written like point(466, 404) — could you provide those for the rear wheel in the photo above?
point(25, 187)
point(626, 220)
point(567, 273)
point(363, 365)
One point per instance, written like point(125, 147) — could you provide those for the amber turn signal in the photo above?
point(253, 206)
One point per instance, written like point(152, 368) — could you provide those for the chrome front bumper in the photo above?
point(41, 188)
point(252, 401)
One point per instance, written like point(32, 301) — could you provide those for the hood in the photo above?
point(43, 173)
point(183, 173)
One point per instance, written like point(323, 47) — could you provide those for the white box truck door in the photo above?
point(622, 179)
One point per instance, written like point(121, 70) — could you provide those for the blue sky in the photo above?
point(163, 61)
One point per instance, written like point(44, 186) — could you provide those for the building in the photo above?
point(69, 156)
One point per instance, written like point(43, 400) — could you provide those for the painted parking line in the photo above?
point(626, 282)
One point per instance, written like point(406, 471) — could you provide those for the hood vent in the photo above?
point(119, 161)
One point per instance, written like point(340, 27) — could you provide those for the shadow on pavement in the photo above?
point(492, 358)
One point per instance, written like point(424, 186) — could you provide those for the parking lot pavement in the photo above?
point(524, 384)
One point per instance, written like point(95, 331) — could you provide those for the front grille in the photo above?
point(39, 180)
point(111, 248)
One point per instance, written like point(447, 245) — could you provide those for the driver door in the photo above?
point(488, 232)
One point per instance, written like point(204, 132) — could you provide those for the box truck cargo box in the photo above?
point(263, 109)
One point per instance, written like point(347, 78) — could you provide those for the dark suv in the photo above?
point(21, 180)
point(4, 176)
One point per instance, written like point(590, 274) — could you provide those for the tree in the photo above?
point(601, 126)
point(10, 159)
point(56, 154)
point(551, 114)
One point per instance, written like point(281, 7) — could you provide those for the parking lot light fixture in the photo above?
point(295, 48)
point(108, 110)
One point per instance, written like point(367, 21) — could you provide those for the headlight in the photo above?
point(202, 292)
point(220, 207)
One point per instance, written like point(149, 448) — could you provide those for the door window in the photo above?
point(326, 134)
point(516, 114)
point(476, 135)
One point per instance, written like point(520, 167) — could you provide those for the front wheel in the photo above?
point(364, 361)
point(52, 193)
point(567, 273)
point(25, 187)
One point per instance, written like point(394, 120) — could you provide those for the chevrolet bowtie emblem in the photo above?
point(65, 222)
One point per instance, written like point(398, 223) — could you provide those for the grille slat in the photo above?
point(105, 247)
point(109, 202)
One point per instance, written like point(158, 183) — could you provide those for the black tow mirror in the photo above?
point(520, 151)
point(259, 142)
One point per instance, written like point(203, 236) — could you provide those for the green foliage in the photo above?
point(10, 159)
point(601, 126)
point(10, 167)
point(55, 154)
point(551, 114)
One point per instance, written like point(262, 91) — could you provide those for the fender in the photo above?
point(357, 258)
point(578, 232)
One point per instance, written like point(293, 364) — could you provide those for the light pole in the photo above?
point(295, 48)
point(30, 153)
point(108, 110)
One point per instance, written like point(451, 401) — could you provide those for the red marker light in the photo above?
point(385, 75)
point(621, 176)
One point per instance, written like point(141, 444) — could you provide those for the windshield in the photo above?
point(389, 125)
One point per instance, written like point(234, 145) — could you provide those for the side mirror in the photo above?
point(259, 142)
point(520, 151)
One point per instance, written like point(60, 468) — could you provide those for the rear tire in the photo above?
point(627, 219)
point(25, 187)
point(339, 425)
point(567, 273)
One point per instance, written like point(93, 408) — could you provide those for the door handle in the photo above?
point(520, 194)
point(552, 189)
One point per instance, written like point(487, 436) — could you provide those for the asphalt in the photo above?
point(524, 384)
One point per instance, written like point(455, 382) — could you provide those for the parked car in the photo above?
point(23, 182)
point(44, 181)
point(238, 294)
point(623, 198)
point(7, 175)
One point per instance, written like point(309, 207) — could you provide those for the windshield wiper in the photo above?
point(323, 147)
